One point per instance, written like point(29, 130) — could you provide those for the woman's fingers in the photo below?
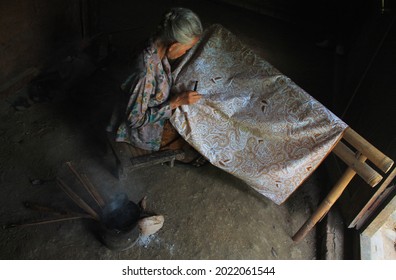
point(193, 97)
point(186, 98)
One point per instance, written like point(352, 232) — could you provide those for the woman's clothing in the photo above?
point(148, 107)
point(171, 139)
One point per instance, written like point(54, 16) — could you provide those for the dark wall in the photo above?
point(282, 9)
point(371, 109)
point(30, 33)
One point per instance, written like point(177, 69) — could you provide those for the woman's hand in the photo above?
point(185, 98)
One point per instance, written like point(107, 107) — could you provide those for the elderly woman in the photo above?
point(149, 103)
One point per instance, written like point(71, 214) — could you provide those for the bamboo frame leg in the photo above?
point(326, 204)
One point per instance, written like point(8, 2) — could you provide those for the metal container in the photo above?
point(119, 229)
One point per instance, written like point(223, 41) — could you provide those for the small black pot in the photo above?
point(119, 229)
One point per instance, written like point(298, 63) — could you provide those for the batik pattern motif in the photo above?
point(252, 121)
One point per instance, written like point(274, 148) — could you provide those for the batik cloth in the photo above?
point(253, 121)
point(148, 107)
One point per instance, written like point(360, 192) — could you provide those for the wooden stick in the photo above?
point(369, 175)
point(81, 203)
point(96, 195)
point(326, 204)
point(43, 208)
point(373, 154)
point(366, 211)
point(88, 186)
point(48, 221)
point(48, 209)
point(120, 160)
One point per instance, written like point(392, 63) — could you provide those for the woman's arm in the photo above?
point(140, 115)
point(138, 111)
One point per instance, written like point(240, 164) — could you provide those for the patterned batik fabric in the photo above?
point(252, 121)
point(148, 106)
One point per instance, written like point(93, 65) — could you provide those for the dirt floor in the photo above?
point(208, 214)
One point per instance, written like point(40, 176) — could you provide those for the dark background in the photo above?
point(356, 79)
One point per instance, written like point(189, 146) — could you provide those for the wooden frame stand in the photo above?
point(356, 162)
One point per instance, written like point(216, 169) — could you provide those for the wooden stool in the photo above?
point(129, 158)
point(356, 165)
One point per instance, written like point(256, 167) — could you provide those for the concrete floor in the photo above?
point(208, 214)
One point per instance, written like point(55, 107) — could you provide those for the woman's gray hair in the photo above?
point(179, 25)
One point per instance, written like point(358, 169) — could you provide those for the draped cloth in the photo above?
point(252, 121)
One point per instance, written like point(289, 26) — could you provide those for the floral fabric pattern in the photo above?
point(148, 107)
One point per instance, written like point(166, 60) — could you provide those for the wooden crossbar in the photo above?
point(373, 154)
point(368, 174)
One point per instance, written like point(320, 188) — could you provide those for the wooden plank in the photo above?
point(155, 158)
point(370, 206)
point(129, 158)
point(384, 216)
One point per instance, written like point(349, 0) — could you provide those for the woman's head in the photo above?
point(178, 31)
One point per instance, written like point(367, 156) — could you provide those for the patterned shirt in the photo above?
point(148, 107)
